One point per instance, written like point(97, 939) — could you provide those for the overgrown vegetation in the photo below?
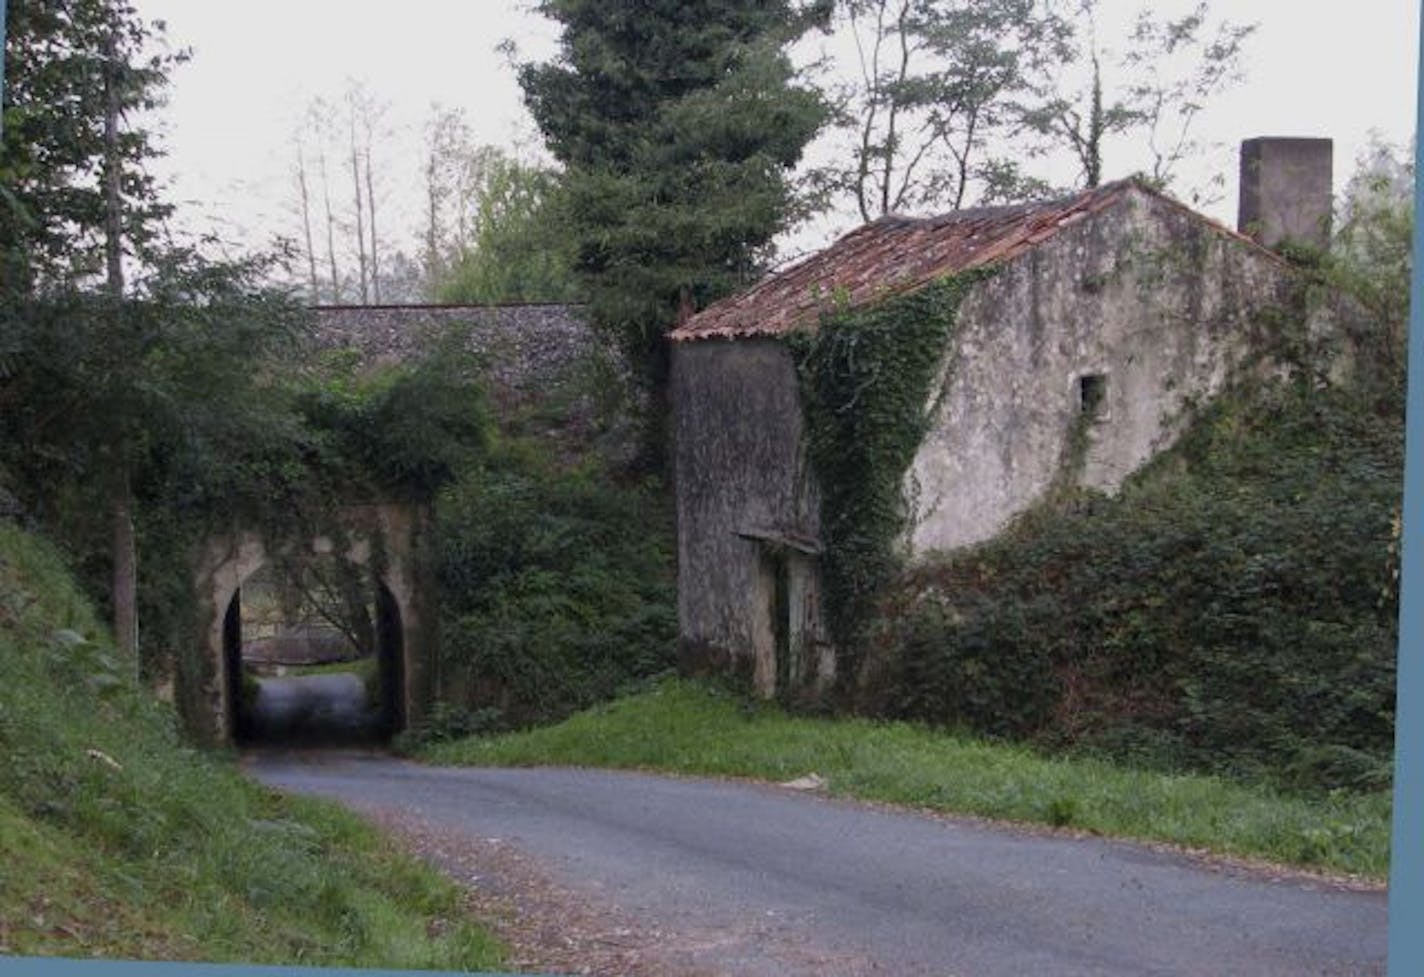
point(1232, 609)
point(223, 433)
point(683, 727)
point(118, 841)
point(557, 587)
point(865, 376)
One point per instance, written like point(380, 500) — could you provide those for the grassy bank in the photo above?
point(117, 841)
point(683, 727)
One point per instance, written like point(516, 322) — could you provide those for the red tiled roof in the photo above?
point(898, 254)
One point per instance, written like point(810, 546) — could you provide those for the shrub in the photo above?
point(557, 585)
point(1233, 608)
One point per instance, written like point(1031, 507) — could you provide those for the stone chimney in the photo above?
point(1286, 191)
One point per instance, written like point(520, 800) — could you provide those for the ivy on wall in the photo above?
point(865, 376)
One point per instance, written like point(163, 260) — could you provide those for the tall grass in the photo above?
point(687, 728)
point(116, 840)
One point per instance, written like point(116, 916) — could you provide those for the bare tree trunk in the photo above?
point(113, 203)
point(360, 217)
point(330, 232)
point(371, 217)
point(892, 147)
point(125, 550)
point(306, 221)
point(432, 227)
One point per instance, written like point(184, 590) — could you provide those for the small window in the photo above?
point(1093, 395)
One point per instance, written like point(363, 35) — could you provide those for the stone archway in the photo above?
point(388, 534)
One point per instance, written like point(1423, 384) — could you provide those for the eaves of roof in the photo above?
point(894, 255)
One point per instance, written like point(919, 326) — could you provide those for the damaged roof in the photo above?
point(897, 254)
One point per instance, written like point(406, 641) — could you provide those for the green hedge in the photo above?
point(557, 589)
point(1233, 608)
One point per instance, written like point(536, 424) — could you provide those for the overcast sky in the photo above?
point(1315, 69)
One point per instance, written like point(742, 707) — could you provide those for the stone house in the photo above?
point(1107, 315)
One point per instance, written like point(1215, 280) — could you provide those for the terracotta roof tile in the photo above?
point(898, 254)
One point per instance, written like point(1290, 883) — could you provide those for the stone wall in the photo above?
point(526, 347)
point(747, 515)
point(1106, 331)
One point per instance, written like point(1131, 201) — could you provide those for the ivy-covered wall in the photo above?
point(1077, 363)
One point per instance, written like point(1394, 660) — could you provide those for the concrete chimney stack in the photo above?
point(1286, 191)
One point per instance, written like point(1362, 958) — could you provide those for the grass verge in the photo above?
point(363, 668)
point(684, 727)
point(117, 841)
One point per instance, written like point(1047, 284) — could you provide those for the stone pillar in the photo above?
point(1286, 191)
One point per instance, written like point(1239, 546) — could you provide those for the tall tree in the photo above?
point(454, 169)
point(931, 101)
point(341, 137)
point(114, 340)
point(1154, 84)
point(64, 61)
point(514, 249)
point(1371, 256)
point(304, 210)
point(678, 125)
point(77, 71)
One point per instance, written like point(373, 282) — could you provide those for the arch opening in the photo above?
point(314, 655)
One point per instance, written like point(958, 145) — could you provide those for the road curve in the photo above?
point(879, 891)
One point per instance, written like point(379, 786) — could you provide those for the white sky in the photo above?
point(1314, 69)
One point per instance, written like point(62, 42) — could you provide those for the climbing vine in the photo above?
point(865, 376)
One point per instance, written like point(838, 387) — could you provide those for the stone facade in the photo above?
point(526, 348)
point(1116, 323)
point(1107, 314)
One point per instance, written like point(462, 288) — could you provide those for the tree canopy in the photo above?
point(64, 61)
point(679, 125)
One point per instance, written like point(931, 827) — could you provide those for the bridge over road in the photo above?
point(529, 356)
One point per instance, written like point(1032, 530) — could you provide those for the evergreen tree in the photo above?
point(66, 63)
point(678, 123)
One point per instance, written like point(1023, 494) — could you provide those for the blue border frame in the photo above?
point(59, 967)
point(1406, 877)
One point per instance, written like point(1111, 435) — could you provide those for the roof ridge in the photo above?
point(902, 253)
point(893, 250)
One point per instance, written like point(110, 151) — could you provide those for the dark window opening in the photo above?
point(1093, 394)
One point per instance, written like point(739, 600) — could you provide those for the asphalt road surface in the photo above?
point(794, 877)
point(312, 709)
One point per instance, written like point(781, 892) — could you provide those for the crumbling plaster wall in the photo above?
point(1143, 295)
point(742, 483)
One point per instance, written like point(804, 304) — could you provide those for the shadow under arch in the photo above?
point(318, 710)
point(384, 539)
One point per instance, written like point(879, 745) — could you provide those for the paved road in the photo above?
point(312, 708)
point(881, 891)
